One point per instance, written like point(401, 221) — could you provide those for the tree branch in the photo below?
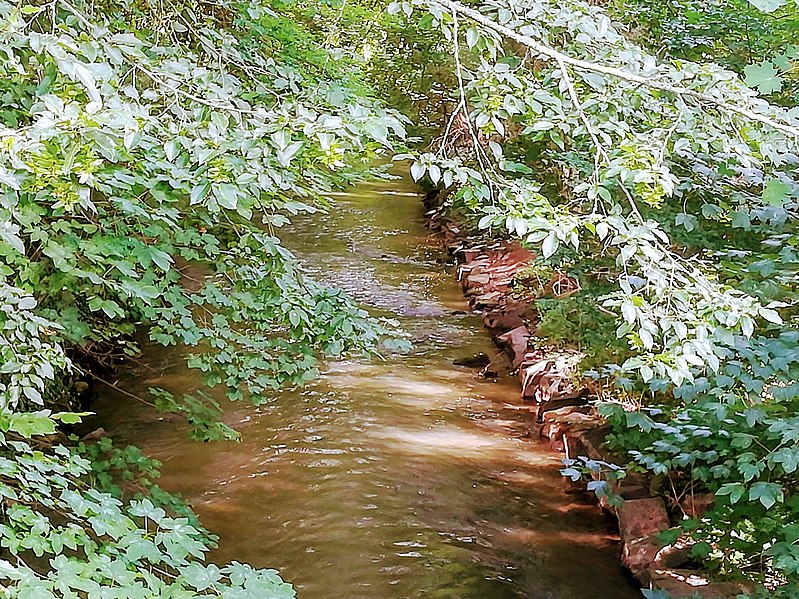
point(585, 65)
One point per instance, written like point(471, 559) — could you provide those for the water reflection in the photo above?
point(392, 479)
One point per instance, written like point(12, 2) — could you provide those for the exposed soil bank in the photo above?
point(562, 415)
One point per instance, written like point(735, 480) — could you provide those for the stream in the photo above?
point(404, 478)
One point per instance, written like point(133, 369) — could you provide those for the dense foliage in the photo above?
point(143, 187)
point(95, 544)
point(669, 186)
point(148, 156)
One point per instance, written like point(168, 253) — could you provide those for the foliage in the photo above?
point(576, 320)
point(149, 155)
point(143, 187)
point(736, 33)
point(66, 538)
point(127, 474)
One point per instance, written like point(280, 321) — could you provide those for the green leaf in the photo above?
point(689, 221)
point(31, 424)
point(8, 234)
point(767, 493)
point(764, 76)
point(776, 193)
point(735, 491)
point(226, 194)
point(770, 315)
point(199, 191)
point(550, 245)
point(70, 417)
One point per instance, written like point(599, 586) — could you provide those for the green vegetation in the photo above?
point(150, 153)
point(148, 156)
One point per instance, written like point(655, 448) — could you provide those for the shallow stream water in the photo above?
point(410, 478)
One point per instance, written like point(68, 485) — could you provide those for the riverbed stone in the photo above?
point(476, 361)
point(639, 518)
point(589, 442)
point(695, 506)
point(685, 584)
point(501, 321)
point(486, 301)
point(639, 521)
point(515, 343)
point(500, 366)
point(673, 556)
point(468, 254)
point(633, 486)
point(474, 281)
point(638, 556)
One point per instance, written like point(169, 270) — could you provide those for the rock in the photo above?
point(95, 435)
point(685, 584)
point(565, 422)
point(80, 387)
point(476, 361)
point(673, 556)
point(515, 343)
point(547, 380)
point(633, 486)
point(476, 281)
point(640, 518)
point(639, 521)
point(487, 301)
point(467, 255)
point(500, 366)
point(694, 506)
point(589, 442)
point(500, 321)
point(638, 556)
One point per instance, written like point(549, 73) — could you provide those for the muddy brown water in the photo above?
point(404, 478)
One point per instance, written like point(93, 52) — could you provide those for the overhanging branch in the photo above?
point(585, 65)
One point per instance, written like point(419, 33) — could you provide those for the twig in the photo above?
point(120, 390)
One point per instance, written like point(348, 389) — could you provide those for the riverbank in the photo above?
point(562, 408)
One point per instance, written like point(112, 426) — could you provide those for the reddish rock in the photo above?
point(639, 518)
point(95, 435)
point(467, 255)
point(589, 443)
point(633, 486)
point(673, 556)
point(638, 556)
point(500, 365)
point(500, 321)
point(487, 301)
point(475, 281)
point(545, 380)
point(515, 343)
point(694, 506)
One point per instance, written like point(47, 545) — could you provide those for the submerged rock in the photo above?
point(476, 361)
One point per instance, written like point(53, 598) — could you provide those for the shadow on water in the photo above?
point(405, 478)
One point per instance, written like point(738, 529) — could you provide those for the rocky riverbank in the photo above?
point(562, 407)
